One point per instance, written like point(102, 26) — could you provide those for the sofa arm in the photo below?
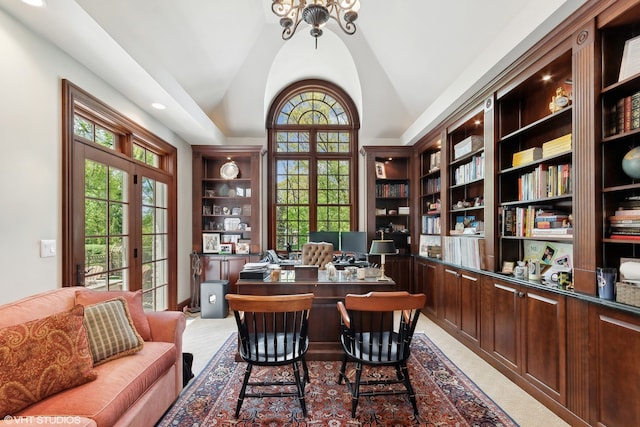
point(167, 326)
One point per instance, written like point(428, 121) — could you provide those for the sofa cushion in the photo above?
point(134, 302)
point(111, 331)
point(42, 357)
point(119, 385)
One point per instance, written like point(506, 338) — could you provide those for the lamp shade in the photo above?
point(382, 247)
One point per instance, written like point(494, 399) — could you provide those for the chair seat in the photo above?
point(273, 348)
point(376, 348)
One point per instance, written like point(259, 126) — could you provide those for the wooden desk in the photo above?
point(324, 321)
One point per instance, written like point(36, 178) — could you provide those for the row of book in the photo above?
point(464, 251)
point(625, 222)
point(624, 115)
point(470, 171)
point(531, 221)
point(545, 181)
point(550, 148)
point(392, 190)
point(433, 185)
point(431, 224)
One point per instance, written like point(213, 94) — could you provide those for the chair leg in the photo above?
point(411, 393)
point(306, 379)
point(341, 375)
point(355, 392)
point(300, 385)
point(247, 374)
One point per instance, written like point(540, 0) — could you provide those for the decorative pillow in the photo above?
point(111, 331)
point(134, 301)
point(43, 357)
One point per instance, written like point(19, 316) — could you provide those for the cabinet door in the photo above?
point(233, 267)
point(544, 342)
point(426, 281)
point(469, 299)
point(451, 297)
point(212, 268)
point(500, 321)
point(615, 346)
point(399, 269)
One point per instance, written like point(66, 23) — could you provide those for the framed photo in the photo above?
point(210, 243)
point(380, 170)
point(243, 248)
point(232, 238)
point(236, 210)
point(507, 267)
point(226, 248)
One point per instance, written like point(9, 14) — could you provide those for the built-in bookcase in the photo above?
point(534, 160)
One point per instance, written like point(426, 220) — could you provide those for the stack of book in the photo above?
point(550, 223)
point(625, 223)
point(556, 146)
point(526, 156)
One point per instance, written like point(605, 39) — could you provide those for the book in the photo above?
point(526, 156)
point(551, 231)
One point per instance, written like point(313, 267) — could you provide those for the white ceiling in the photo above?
point(218, 64)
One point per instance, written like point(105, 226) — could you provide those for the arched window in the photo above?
point(312, 167)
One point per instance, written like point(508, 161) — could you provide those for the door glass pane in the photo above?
point(105, 229)
point(154, 244)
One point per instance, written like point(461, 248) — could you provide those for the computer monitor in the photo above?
point(353, 242)
point(332, 237)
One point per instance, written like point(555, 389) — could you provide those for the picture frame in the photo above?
point(381, 173)
point(630, 64)
point(236, 210)
point(210, 243)
point(226, 248)
point(507, 267)
point(243, 248)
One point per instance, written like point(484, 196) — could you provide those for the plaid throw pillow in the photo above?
point(110, 330)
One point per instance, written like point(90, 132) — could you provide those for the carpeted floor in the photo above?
point(446, 397)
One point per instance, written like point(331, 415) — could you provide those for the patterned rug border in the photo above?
point(171, 417)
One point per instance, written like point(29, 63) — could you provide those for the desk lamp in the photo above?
point(382, 248)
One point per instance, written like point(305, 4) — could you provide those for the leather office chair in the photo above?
point(273, 332)
point(317, 253)
point(377, 329)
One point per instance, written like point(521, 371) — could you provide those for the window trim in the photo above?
point(273, 127)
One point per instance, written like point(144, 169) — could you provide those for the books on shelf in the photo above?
point(532, 221)
point(526, 156)
point(623, 115)
point(392, 190)
point(431, 224)
point(464, 251)
point(470, 171)
point(556, 146)
point(545, 181)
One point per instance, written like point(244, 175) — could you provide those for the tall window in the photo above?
point(312, 167)
point(120, 203)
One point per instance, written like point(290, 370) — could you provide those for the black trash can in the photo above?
point(213, 304)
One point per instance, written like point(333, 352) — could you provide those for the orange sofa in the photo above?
point(133, 390)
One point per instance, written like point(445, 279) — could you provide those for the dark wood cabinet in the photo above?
point(615, 381)
point(399, 268)
point(525, 330)
point(224, 267)
point(226, 196)
point(427, 280)
point(460, 302)
point(389, 194)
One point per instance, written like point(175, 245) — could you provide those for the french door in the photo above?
point(121, 225)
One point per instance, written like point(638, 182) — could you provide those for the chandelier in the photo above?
point(315, 13)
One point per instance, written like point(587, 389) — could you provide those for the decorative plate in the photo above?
point(229, 170)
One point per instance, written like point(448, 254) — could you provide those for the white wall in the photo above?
point(31, 70)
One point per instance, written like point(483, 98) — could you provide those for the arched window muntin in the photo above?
point(312, 163)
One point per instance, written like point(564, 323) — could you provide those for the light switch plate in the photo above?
point(47, 248)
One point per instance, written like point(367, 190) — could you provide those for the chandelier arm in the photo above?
point(289, 31)
point(338, 14)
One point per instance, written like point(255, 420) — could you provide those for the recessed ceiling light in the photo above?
point(158, 106)
point(546, 78)
point(36, 3)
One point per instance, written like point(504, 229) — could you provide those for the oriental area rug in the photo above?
point(445, 395)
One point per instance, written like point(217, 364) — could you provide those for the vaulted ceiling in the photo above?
point(217, 64)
